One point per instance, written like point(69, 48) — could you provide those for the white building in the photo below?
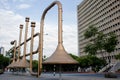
point(105, 15)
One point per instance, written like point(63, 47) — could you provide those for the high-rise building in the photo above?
point(2, 50)
point(105, 15)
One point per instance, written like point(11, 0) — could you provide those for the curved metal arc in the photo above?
point(41, 31)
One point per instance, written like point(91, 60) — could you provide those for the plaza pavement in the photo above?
point(49, 76)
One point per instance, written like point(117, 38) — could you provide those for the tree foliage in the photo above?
point(99, 41)
point(74, 57)
point(91, 61)
point(90, 48)
point(91, 31)
point(35, 65)
point(4, 61)
point(111, 41)
point(10, 53)
point(117, 56)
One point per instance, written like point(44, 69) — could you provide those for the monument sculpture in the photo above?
point(59, 57)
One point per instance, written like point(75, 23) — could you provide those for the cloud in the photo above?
point(9, 27)
point(23, 6)
point(4, 4)
point(22, 0)
point(51, 40)
point(70, 38)
point(9, 30)
point(19, 0)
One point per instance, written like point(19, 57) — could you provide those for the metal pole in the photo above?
point(60, 72)
point(15, 43)
point(31, 45)
point(26, 31)
point(20, 36)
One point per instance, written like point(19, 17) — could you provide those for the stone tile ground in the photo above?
point(49, 76)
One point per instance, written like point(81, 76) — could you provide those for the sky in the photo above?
point(13, 13)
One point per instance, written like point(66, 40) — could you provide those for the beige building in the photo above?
point(104, 14)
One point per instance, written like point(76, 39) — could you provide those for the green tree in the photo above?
point(84, 62)
point(111, 40)
point(10, 53)
point(91, 61)
point(90, 48)
point(117, 56)
point(90, 32)
point(35, 65)
point(99, 41)
point(4, 61)
point(1, 61)
point(96, 63)
point(74, 57)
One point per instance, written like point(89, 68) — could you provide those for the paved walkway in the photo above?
point(48, 76)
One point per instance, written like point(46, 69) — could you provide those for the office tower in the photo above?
point(105, 15)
